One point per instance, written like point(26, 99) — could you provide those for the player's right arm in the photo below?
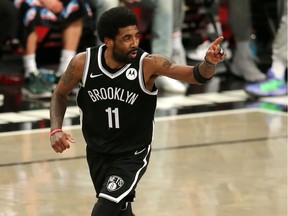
point(69, 80)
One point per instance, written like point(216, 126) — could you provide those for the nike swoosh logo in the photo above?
point(139, 152)
point(95, 75)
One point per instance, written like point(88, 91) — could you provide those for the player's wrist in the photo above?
point(198, 76)
point(208, 63)
point(55, 131)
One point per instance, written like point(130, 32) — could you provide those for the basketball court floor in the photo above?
point(214, 153)
point(231, 162)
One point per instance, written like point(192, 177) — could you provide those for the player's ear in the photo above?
point(108, 42)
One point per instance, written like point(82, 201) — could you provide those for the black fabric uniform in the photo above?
point(117, 118)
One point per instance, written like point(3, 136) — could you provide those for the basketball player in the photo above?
point(117, 101)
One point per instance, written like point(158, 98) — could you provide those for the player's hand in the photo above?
point(215, 53)
point(61, 141)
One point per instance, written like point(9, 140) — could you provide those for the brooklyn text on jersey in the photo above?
point(112, 93)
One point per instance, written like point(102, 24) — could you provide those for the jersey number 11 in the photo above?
point(113, 116)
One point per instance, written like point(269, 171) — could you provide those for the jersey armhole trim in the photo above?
point(141, 77)
point(86, 66)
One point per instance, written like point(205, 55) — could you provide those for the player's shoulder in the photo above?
point(81, 57)
point(155, 60)
point(78, 61)
point(156, 57)
point(152, 58)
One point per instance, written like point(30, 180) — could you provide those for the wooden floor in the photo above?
point(226, 163)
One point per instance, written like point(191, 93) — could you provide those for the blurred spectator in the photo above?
point(8, 21)
point(243, 63)
point(178, 53)
point(65, 16)
point(164, 17)
point(275, 85)
point(211, 10)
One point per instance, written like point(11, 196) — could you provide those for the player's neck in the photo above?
point(110, 62)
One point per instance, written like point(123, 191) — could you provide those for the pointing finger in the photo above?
point(218, 40)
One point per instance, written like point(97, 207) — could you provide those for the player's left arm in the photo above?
point(200, 73)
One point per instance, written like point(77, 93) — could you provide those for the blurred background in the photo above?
point(19, 111)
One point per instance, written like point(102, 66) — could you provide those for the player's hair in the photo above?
point(113, 19)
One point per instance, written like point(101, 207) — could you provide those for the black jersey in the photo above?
point(117, 111)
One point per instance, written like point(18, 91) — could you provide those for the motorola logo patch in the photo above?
point(131, 73)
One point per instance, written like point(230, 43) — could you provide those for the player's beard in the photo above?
point(123, 58)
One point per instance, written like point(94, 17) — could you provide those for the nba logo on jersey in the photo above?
point(114, 183)
point(131, 73)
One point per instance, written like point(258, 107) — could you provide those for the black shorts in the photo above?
point(115, 177)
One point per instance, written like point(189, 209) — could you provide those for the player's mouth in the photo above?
point(132, 54)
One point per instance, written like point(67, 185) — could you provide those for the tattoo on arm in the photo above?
point(167, 63)
point(153, 57)
point(68, 76)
